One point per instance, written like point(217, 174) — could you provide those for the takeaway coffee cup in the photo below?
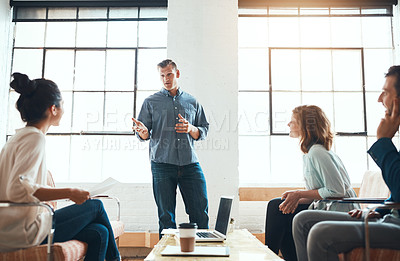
point(187, 234)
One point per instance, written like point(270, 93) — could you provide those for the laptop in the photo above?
point(221, 225)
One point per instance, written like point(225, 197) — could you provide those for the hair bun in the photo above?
point(22, 84)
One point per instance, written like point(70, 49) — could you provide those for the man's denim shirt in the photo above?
point(160, 115)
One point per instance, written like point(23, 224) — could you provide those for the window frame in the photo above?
point(91, 145)
point(89, 3)
point(75, 49)
point(263, 45)
point(271, 91)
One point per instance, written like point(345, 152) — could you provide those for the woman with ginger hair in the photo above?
point(324, 173)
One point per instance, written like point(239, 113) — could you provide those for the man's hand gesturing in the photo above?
point(141, 129)
point(185, 127)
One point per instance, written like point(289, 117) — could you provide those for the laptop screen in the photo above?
point(224, 212)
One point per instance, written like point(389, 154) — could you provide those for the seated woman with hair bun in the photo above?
point(324, 173)
point(23, 176)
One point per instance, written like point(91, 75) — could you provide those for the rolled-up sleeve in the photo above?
point(201, 122)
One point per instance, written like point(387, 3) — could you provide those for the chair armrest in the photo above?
point(356, 200)
point(364, 200)
point(112, 198)
point(5, 204)
point(329, 201)
point(390, 205)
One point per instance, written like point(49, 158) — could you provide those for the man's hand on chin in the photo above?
point(389, 125)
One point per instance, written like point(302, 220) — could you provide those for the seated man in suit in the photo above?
point(322, 235)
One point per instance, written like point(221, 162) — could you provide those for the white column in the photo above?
point(202, 39)
point(396, 33)
point(5, 56)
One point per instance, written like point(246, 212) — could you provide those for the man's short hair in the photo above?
point(395, 71)
point(167, 62)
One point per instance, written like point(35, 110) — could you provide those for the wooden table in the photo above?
point(243, 246)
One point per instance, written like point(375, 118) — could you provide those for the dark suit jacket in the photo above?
point(386, 156)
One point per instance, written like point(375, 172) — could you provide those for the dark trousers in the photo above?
point(278, 229)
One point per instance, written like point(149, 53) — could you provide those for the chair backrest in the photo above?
point(373, 186)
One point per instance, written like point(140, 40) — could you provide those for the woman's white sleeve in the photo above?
point(29, 159)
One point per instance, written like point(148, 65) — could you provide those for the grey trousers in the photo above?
point(322, 235)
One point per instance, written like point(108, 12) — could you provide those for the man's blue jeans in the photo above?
point(89, 223)
point(192, 184)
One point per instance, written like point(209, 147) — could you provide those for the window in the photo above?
point(104, 62)
point(331, 57)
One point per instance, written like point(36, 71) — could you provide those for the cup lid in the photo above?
point(187, 225)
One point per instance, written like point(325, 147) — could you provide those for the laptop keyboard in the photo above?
point(206, 235)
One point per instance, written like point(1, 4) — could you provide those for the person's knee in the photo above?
point(301, 218)
point(301, 223)
point(95, 234)
point(320, 236)
point(96, 203)
point(273, 205)
point(101, 233)
point(275, 202)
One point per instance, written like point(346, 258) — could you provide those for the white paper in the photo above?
point(169, 231)
point(103, 186)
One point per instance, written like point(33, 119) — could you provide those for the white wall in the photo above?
point(5, 56)
point(202, 39)
point(396, 33)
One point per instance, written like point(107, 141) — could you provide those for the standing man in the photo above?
point(322, 235)
point(173, 120)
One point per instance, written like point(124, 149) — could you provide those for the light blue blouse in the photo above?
point(323, 170)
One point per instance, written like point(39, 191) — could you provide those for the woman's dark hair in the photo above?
point(395, 71)
point(36, 97)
